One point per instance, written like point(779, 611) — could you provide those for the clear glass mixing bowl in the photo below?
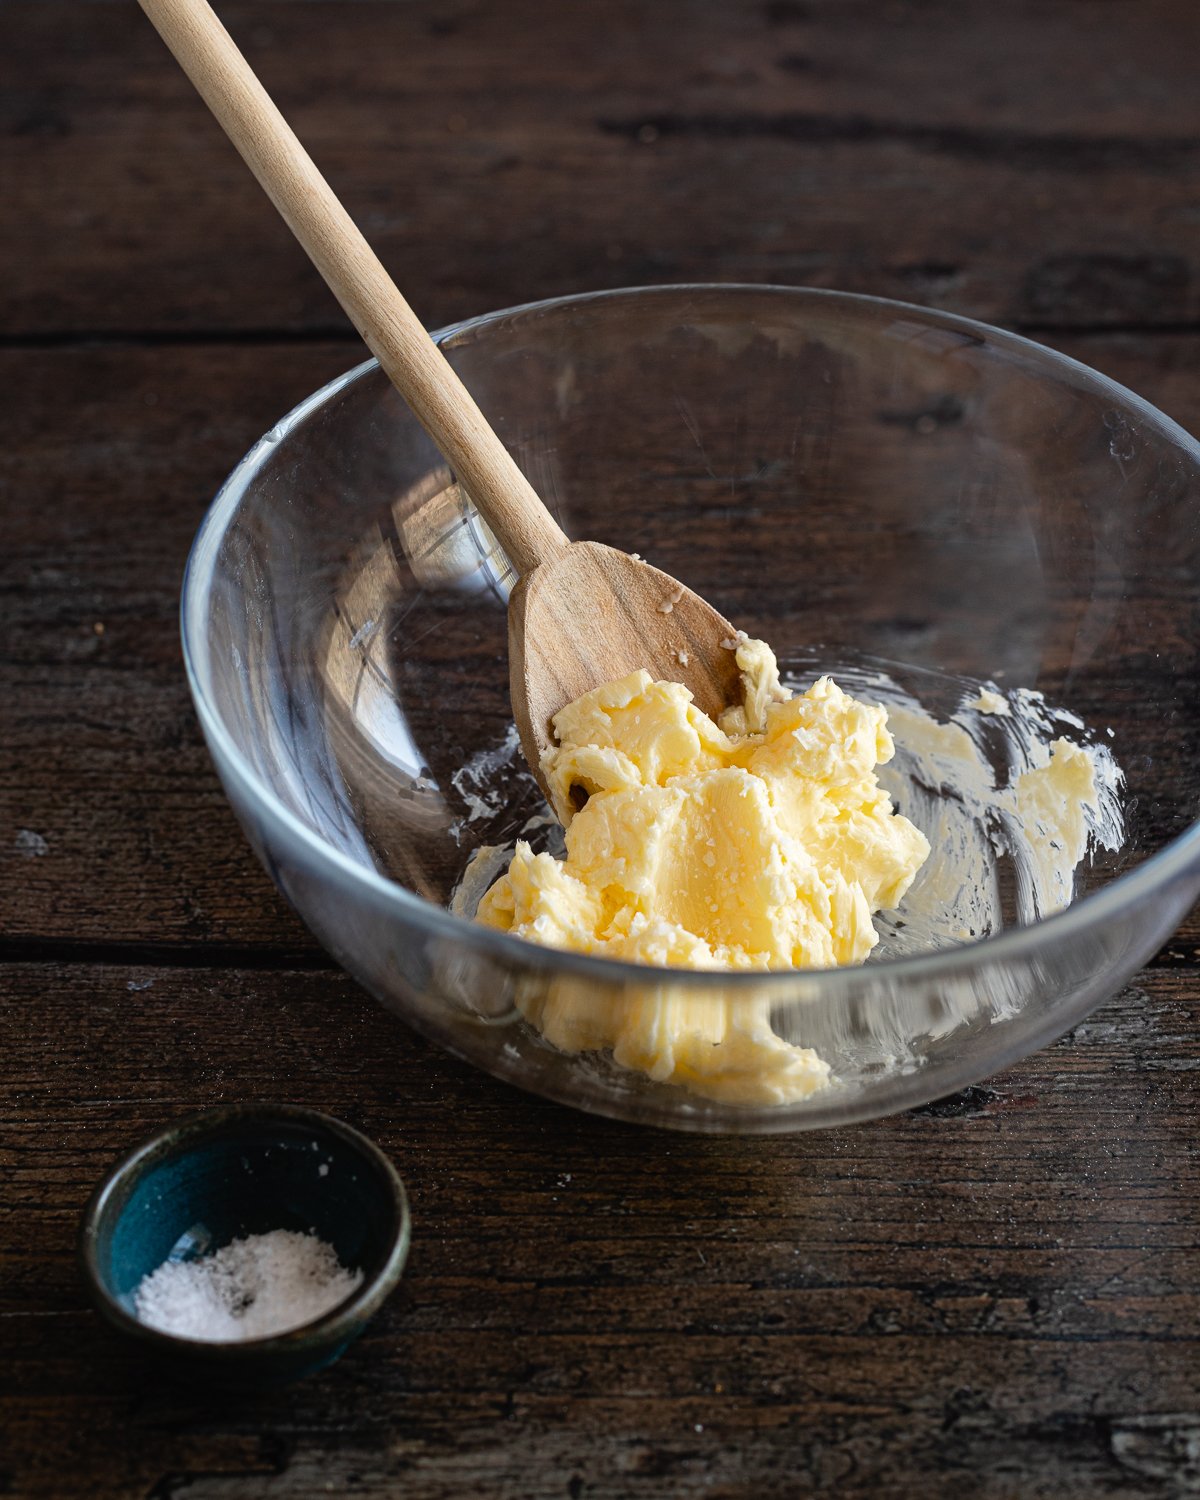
point(851, 479)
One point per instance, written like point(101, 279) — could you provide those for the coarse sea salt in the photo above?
point(252, 1288)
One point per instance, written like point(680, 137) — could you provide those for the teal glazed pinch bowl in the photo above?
point(239, 1170)
point(860, 483)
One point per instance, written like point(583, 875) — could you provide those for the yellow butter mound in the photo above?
point(761, 842)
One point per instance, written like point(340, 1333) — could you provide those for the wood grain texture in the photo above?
point(351, 270)
point(104, 779)
point(998, 1290)
point(998, 1293)
point(1024, 163)
point(113, 828)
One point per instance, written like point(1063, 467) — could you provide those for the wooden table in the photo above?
point(998, 1292)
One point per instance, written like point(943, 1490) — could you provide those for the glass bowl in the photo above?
point(854, 480)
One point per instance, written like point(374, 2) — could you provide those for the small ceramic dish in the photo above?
point(239, 1170)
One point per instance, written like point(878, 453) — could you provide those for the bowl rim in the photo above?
point(1177, 859)
point(337, 1325)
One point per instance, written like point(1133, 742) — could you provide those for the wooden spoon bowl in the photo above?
point(590, 614)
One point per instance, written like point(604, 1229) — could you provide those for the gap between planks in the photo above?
point(343, 333)
point(32, 950)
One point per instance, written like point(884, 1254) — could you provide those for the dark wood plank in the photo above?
point(112, 825)
point(1000, 1290)
point(109, 803)
point(955, 153)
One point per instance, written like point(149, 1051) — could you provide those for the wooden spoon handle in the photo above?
point(413, 362)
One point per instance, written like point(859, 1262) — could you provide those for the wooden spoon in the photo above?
point(581, 613)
